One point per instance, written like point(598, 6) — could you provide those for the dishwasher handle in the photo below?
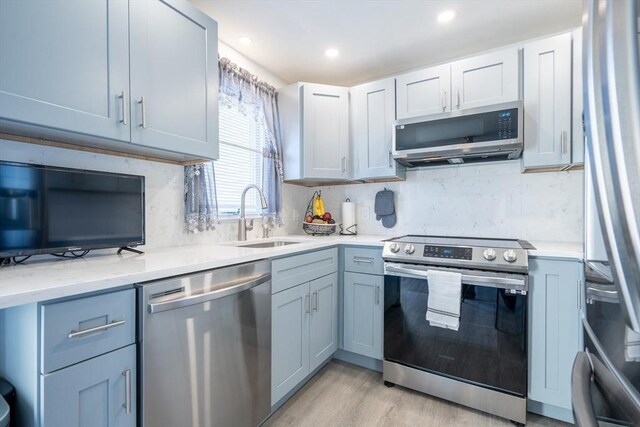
point(230, 288)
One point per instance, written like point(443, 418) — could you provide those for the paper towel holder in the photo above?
point(351, 230)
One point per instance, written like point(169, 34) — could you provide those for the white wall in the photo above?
point(227, 51)
point(486, 200)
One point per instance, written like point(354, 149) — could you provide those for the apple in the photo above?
point(326, 216)
point(308, 219)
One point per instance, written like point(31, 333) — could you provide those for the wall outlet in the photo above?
point(364, 213)
point(295, 214)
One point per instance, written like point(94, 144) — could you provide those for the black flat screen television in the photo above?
point(45, 209)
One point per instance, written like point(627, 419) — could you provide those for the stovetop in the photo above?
point(460, 252)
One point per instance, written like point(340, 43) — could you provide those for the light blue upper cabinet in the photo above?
point(555, 331)
point(363, 314)
point(424, 92)
point(109, 73)
point(174, 78)
point(323, 327)
point(492, 78)
point(314, 120)
point(372, 114)
point(65, 65)
point(547, 102)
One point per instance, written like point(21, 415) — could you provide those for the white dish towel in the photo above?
point(443, 307)
point(631, 345)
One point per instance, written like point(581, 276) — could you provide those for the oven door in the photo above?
point(489, 348)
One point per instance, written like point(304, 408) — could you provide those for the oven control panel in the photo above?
point(451, 252)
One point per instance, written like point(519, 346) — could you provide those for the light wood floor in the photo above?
point(342, 394)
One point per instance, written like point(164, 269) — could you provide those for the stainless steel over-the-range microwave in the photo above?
point(491, 132)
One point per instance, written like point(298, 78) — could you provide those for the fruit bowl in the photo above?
point(318, 229)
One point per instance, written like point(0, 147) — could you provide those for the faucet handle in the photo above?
point(249, 225)
point(265, 229)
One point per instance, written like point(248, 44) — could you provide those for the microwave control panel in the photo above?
point(506, 120)
point(451, 252)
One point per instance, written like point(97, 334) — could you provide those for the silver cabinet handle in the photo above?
point(363, 260)
point(444, 100)
point(83, 332)
point(123, 101)
point(306, 304)
point(127, 391)
point(344, 164)
point(315, 301)
point(227, 288)
point(143, 124)
point(579, 304)
point(458, 98)
point(563, 141)
point(390, 159)
point(377, 295)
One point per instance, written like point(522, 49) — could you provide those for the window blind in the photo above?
point(240, 163)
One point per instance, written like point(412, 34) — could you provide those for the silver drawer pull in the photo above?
point(83, 332)
point(363, 260)
point(127, 391)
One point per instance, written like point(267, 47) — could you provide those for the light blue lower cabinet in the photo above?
point(555, 333)
point(289, 339)
point(304, 332)
point(363, 314)
point(98, 392)
point(323, 327)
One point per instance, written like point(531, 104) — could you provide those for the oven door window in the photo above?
point(489, 348)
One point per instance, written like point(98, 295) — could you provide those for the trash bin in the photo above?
point(7, 403)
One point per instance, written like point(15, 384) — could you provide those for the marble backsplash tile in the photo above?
point(488, 200)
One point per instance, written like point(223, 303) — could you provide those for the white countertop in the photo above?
point(45, 279)
point(571, 250)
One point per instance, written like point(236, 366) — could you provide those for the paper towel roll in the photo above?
point(348, 225)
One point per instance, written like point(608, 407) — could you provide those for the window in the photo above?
point(242, 137)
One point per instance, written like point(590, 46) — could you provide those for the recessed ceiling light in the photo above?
point(332, 53)
point(245, 40)
point(446, 16)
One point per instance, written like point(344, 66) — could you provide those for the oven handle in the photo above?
point(491, 280)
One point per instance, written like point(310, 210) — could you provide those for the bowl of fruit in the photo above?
point(317, 221)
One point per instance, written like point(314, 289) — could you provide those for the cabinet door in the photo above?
point(65, 65)
point(486, 79)
point(373, 112)
point(547, 102)
point(424, 92)
point(289, 340)
point(92, 393)
point(363, 311)
point(555, 331)
point(174, 78)
point(325, 131)
point(323, 334)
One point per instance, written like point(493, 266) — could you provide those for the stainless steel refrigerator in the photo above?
point(606, 376)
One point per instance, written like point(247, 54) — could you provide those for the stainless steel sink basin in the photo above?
point(270, 244)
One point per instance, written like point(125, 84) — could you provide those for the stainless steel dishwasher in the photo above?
point(205, 348)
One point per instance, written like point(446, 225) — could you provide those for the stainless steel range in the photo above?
point(482, 364)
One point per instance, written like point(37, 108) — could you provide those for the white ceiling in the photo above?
point(377, 38)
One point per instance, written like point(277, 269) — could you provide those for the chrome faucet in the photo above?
point(242, 226)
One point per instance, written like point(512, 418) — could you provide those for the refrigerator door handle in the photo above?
point(627, 393)
point(612, 92)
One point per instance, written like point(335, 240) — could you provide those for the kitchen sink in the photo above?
point(270, 244)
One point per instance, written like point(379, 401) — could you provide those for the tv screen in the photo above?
point(46, 209)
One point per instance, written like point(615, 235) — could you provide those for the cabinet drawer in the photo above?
point(73, 331)
point(361, 260)
point(289, 272)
